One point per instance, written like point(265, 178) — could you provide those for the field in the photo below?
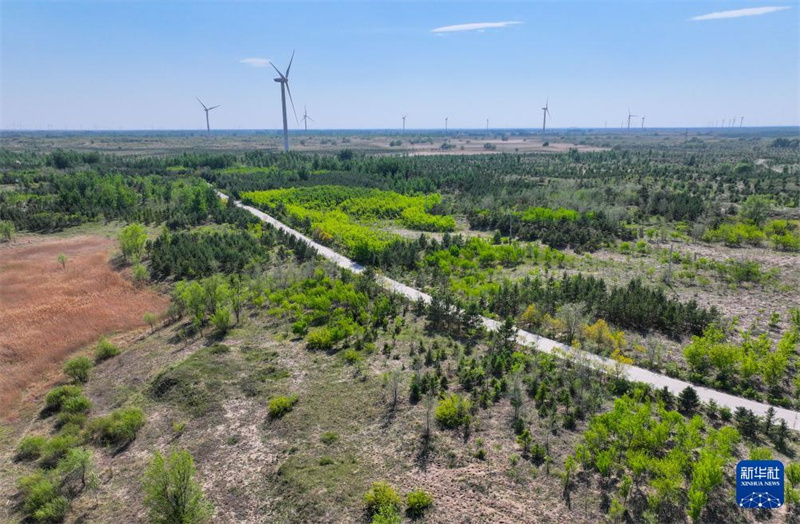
point(295, 385)
point(49, 311)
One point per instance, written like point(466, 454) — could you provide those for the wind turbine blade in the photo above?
point(276, 69)
point(210, 108)
point(290, 65)
point(292, 101)
point(202, 104)
point(310, 118)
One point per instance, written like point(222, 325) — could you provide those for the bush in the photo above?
point(279, 406)
point(117, 428)
point(172, 495)
point(380, 497)
point(56, 448)
point(77, 369)
point(79, 404)
point(41, 499)
point(453, 411)
point(56, 397)
point(30, 447)
point(105, 350)
point(329, 437)
point(417, 502)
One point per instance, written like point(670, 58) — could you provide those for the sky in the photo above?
point(362, 65)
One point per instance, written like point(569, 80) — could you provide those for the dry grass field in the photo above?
point(47, 312)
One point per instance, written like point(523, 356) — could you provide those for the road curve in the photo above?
point(547, 345)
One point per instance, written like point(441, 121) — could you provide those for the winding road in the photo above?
point(547, 345)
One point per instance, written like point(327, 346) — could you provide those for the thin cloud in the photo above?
point(256, 62)
point(479, 26)
point(738, 13)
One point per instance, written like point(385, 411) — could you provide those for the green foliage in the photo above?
point(418, 502)
point(172, 494)
point(453, 411)
point(756, 209)
point(117, 428)
point(42, 501)
point(735, 234)
point(329, 437)
point(57, 396)
point(77, 369)
point(105, 350)
point(281, 405)
point(382, 496)
point(653, 444)
point(131, 242)
point(7, 230)
point(30, 447)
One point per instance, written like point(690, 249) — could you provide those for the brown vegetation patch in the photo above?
point(47, 312)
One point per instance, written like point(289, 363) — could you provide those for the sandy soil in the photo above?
point(47, 312)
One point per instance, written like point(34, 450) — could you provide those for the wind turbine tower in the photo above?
point(642, 122)
point(207, 109)
point(283, 80)
point(487, 125)
point(545, 114)
point(741, 121)
point(445, 123)
point(404, 122)
point(306, 118)
point(629, 119)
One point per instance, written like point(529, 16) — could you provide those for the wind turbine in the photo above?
point(629, 119)
point(545, 114)
point(741, 122)
point(642, 122)
point(404, 123)
point(207, 109)
point(283, 80)
point(445, 123)
point(306, 118)
point(487, 125)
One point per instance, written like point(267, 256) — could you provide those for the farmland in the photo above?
point(296, 386)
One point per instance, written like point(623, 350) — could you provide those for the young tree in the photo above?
point(62, 260)
point(756, 209)
point(172, 495)
point(688, 400)
point(391, 382)
point(573, 316)
point(150, 318)
point(131, 242)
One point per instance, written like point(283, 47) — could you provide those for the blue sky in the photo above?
point(127, 65)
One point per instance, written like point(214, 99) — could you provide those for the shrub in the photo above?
point(41, 499)
point(30, 447)
point(279, 406)
point(453, 411)
point(56, 397)
point(172, 495)
point(56, 448)
point(79, 404)
point(329, 437)
point(417, 502)
point(105, 350)
point(381, 496)
point(387, 515)
point(117, 428)
point(77, 369)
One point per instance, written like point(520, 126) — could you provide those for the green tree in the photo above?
point(131, 242)
point(172, 495)
point(62, 260)
point(78, 369)
point(756, 209)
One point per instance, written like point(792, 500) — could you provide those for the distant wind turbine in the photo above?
point(283, 80)
point(207, 109)
point(445, 123)
point(487, 125)
point(642, 122)
point(306, 118)
point(545, 114)
point(629, 119)
point(404, 122)
point(741, 122)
